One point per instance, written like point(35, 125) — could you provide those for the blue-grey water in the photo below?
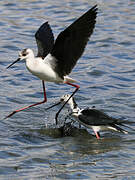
point(31, 146)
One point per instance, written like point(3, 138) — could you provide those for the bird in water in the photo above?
point(93, 118)
point(55, 60)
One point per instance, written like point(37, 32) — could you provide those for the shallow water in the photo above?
point(31, 147)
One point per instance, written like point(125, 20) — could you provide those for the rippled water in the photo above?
point(31, 147)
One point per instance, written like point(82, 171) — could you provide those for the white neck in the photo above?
point(30, 56)
point(73, 106)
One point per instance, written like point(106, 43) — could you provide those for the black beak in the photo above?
point(53, 105)
point(13, 63)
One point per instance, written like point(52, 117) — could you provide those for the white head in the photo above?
point(65, 97)
point(71, 101)
point(24, 55)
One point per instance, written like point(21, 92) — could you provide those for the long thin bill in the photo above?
point(53, 105)
point(13, 63)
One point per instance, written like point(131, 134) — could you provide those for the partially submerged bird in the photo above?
point(93, 118)
point(55, 60)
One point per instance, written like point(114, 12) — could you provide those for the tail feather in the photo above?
point(128, 127)
point(119, 129)
point(125, 123)
point(69, 80)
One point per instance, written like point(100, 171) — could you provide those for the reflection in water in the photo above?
point(83, 142)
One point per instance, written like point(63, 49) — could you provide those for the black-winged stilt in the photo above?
point(93, 118)
point(55, 60)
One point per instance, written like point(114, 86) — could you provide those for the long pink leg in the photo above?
point(97, 134)
point(76, 89)
point(18, 110)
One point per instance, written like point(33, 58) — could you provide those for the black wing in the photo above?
point(95, 117)
point(98, 118)
point(45, 40)
point(71, 42)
